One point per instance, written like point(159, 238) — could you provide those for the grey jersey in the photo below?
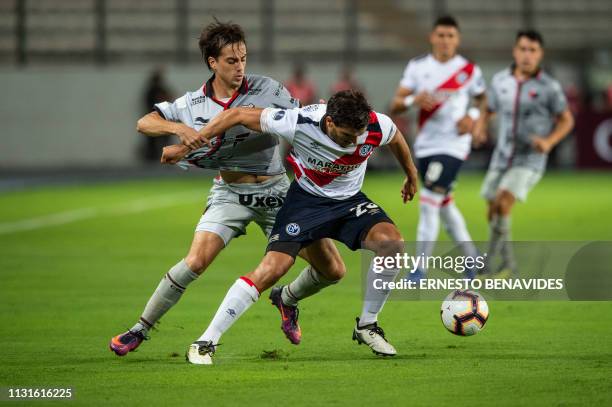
point(525, 109)
point(238, 149)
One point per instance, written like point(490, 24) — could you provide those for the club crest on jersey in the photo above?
point(279, 115)
point(293, 229)
point(365, 150)
point(462, 77)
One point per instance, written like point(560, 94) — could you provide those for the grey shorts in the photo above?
point(517, 180)
point(231, 207)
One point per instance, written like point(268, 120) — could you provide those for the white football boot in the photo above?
point(200, 353)
point(373, 336)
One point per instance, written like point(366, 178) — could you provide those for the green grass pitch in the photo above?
point(69, 282)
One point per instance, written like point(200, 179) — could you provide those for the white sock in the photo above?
point(241, 295)
point(455, 226)
point(307, 283)
point(375, 299)
point(168, 292)
point(429, 221)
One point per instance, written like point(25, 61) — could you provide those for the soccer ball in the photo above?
point(464, 313)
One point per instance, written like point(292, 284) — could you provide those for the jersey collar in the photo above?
point(536, 75)
point(208, 91)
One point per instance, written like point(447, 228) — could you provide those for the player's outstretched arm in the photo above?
point(246, 116)
point(153, 125)
point(400, 150)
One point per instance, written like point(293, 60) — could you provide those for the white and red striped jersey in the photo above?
point(322, 167)
point(453, 83)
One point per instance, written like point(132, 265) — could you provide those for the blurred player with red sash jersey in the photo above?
point(442, 84)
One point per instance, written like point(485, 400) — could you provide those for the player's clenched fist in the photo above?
point(410, 187)
point(465, 125)
point(174, 153)
point(425, 100)
point(541, 145)
point(191, 138)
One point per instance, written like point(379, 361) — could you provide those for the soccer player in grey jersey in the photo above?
point(533, 118)
point(251, 185)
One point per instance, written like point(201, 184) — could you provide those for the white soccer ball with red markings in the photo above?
point(464, 313)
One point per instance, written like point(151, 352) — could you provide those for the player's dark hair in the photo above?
point(446, 21)
point(533, 35)
point(349, 108)
point(217, 35)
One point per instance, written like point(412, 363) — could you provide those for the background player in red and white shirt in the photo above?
point(331, 145)
point(442, 85)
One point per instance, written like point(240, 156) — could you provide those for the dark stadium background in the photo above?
point(74, 72)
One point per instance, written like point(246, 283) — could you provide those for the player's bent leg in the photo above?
point(239, 298)
point(455, 226)
point(204, 248)
point(500, 232)
point(272, 268)
point(325, 258)
point(326, 268)
point(428, 227)
point(385, 240)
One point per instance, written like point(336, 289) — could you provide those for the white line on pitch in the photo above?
point(62, 218)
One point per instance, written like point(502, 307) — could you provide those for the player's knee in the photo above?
point(336, 270)
point(196, 263)
point(385, 240)
point(505, 201)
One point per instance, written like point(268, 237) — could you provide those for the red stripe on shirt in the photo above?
point(373, 139)
point(451, 83)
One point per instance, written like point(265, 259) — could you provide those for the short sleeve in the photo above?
point(284, 99)
point(170, 111)
point(477, 84)
point(387, 127)
point(279, 122)
point(557, 99)
point(408, 80)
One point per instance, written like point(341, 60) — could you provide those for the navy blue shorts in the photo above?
point(305, 218)
point(439, 172)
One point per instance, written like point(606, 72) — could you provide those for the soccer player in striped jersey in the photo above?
point(251, 185)
point(442, 84)
point(331, 145)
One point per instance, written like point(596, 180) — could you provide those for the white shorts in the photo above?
point(231, 207)
point(517, 180)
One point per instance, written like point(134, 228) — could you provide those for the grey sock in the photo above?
point(168, 292)
point(309, 282)
point(507, 252)
point(500, 238)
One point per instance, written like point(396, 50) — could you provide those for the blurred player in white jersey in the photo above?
point(442, 84)
point(251, 185)
point(533, 117)
point(331, 145)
